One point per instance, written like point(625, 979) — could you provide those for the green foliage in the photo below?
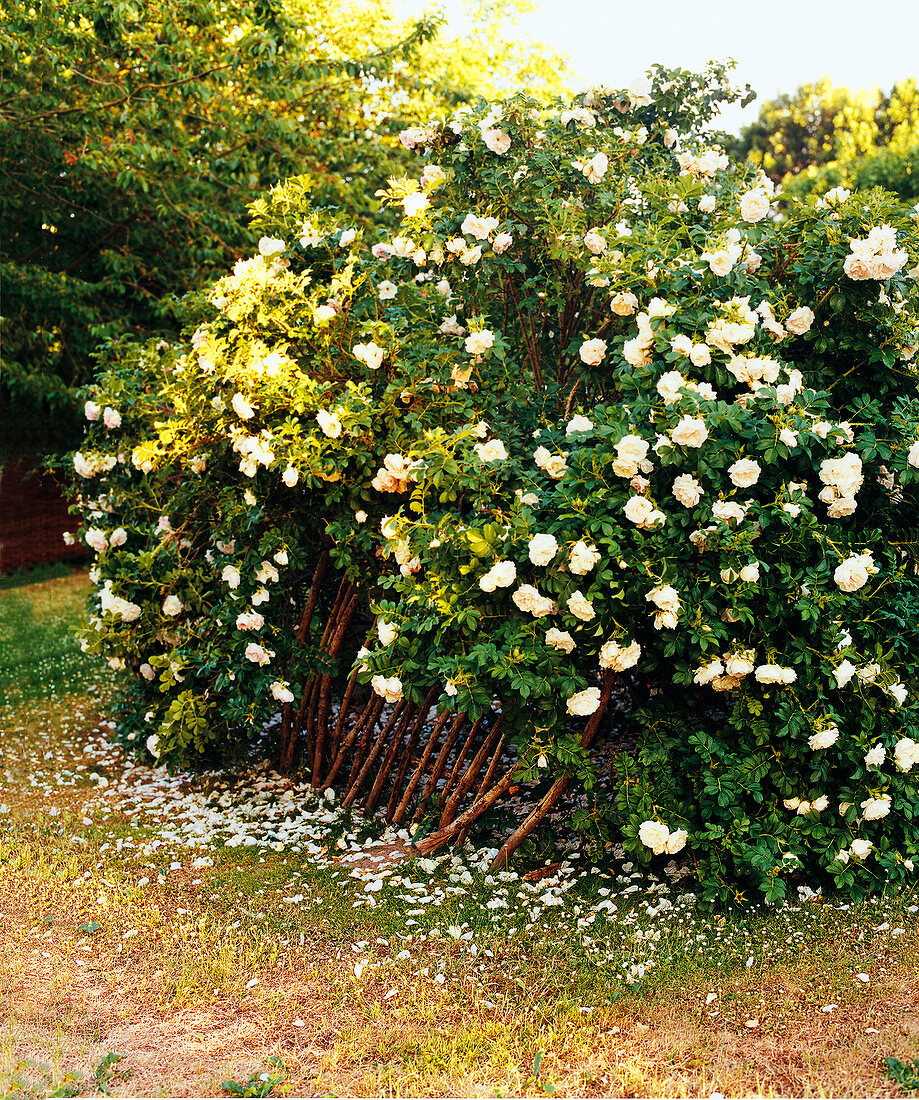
point(824, 136)
point(905, 1074)
point(588, 420)
point(133, 136)
point(259, 1084)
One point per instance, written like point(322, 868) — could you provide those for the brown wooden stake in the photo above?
point(460, 760)
point(433, 841)
point(409, 751)
point(516, 838)
point(558, 788)
point(408, 714)
point(437, 771)
point(313, 596)
point(399, 813)
point(325, 688)
point(355, 785)
point(465, 784)
point(342, 712)
point(360, 730)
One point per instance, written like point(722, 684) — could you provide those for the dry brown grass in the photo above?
point(68, 1006)
point(174, 999)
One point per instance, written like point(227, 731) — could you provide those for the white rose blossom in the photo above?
point(593, 352)
point(542, 549)
point(560, 639)
point(492, 451)
point(615, 656)
point(690, 432)
point(583, 703)
point(528, 599)
point(580, 606)
point(876, 808)
point(583, 558)
point(501, 575)
point(906, 754)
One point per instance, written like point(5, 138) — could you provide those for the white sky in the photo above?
point(778, 45)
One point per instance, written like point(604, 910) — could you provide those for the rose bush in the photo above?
point(602, 442)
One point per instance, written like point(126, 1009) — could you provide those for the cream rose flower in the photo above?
point(824, 739)
point(497, 141)
point(560, 639)
point(852, 574)
point(654, 835)
point(249, 620)
point(578, 423)
point(595, 242)
point(477, 343)
point(704, 674)
point(387, 687)
point(593, 352)
point(700, 355)
point(631, 452)
point(665, 597)
point(556, 466)
point(584, 702)
point(744, 472)
point(728, 510)
point(480, 228)
point(669, 385)
point(687, 490)
point(690, 432)
point(542, 549)
point(876, 808)
point(595, 169)
point(528, 598)
point(640, 511)
point(369, 354)
point(492, 451)
point(774, 674)
point(754, 205)
point(415, 204)
point(280, 690)
point(583, 557)
point(581, 607)
point(676, 842)
point(624, 304)
point(738, 665)
point(906, 754)
point(800, 320)
point(257, 654)
point(617, 657)
point(501, 575)
point(330, 423)
point(241, 407)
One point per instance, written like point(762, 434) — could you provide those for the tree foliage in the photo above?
point(824, 135)
point(134, 135)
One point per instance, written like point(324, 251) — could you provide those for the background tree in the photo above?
point(824, 136)
point(133, 136)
